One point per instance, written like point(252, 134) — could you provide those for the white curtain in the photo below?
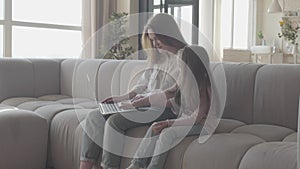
point(206, 25)
point(95, 14)
point(227, 25)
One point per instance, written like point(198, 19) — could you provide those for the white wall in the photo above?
point(270, 22)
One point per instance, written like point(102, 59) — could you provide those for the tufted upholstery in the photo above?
point(54, 96)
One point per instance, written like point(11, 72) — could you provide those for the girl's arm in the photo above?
point(198, 115)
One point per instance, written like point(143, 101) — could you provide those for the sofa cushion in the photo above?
point(67, 68)
point(18, 100)
point(176, 154)
point(32, 105)
point(291, 138)
point(14, 72)
point(49, 111)
point(130, 73)
point(88, 105)
point(240, 79)
point(65, 138)
point(274, 155)
point(108, 79)
point(53, 97)
point(73, 101)
point(227, 125)
point(46, 76)
point(84, 83)
point(4, 106)
point(219, 151)
point(266, 132)
point(276, 97)
point(23, 142)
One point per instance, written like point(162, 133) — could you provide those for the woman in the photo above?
point(162, 50)
point(194, 100)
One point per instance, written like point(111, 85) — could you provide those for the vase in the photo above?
point(295, 52)
point(263, 42)
point(288, 47)
point(295, 49)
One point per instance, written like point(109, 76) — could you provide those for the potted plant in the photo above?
point(261, 37)
point(121, 48)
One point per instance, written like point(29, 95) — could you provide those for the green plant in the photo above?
point(117, 35)
point(289, 30)
point(260, 35)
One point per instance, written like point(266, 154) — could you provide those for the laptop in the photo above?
point(112, 108)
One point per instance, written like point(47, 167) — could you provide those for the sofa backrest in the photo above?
point(256, 93)
point(240, 79)
point(277, 90)
point(84, 83)
point(108, 79)
point(130, 73)
point(29, 77)
point(67, 69)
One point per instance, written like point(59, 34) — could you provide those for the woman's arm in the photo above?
point(115, 99)
point(157, 99)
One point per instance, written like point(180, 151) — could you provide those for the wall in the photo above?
point(270, 22)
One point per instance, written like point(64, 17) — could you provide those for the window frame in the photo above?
point(251, 26)
point(177, 3)
point(8, 24)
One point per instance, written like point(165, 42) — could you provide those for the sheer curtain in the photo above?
point(235, 24)
point(95, 14)
point(206, 25)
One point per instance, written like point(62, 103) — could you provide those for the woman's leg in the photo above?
point(168, 139)
point(92, 139)
point(145, 150)
point(115, 130)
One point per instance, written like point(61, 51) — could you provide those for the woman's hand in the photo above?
point(113, 99)
point(133, 104)
point(137, 97)
point(126, 105)
point(157, 127)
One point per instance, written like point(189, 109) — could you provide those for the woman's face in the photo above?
point(159, 45)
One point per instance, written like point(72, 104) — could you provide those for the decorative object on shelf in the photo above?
point(289, 31)
point(295, 52)
point(275, 7)
point(261, 37)
point(117, 33)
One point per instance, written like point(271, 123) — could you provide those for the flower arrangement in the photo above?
point(289, 30)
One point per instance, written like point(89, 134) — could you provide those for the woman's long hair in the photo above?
point(166, 30)
point(194, 58)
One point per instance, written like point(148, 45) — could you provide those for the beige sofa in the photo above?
point(44, 102)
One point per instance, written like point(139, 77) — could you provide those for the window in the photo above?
point(235, 24)
point(35, 28)
point(1, 9)
point(44, 42)
point(62, 12)
point(1, 41)
point(186, 12)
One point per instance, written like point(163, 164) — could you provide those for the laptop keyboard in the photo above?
point(109, 108)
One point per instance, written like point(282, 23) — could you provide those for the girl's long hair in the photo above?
point(194, 58)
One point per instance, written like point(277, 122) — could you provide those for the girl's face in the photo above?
point(159, 45)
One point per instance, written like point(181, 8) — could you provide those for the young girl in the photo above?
point(194, 99)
